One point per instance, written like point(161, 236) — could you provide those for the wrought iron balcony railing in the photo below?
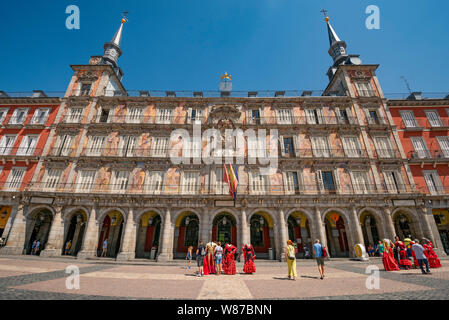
point(415, 124)
point(20, 152)
point(387, 154)
point(428, 156)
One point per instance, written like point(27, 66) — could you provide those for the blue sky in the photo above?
point(186, 45)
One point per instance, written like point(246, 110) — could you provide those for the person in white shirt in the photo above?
point(419, 253)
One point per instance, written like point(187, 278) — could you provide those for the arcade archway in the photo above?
point(370, 229)
point(224, 229)
point(75, 233)
point(148, 235)
point(299, 233)
point(186, 233)
point(262, 235)
point(111, 230)
point(405, 225)
point(39, 224)
point(336, 234)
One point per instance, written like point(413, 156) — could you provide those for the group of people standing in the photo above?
point(319, 252)
point(212, 258)
point(398, 255)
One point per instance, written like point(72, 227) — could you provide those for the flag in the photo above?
point(233, 181)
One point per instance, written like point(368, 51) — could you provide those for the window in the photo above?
point(218, 186)
point(95, 146)
point(164, 116)
point(284, 116)
point(372, 116)
point(160, 147)
point(40, 116)
point(6, 144)
point(120, 181)
point(291, 182)
point(129, 146)
point(19, 116)
point(344, 118)
point(195, 116)
point(320, 147)
point(352, 147)
point(104, 115)
point(85, 180)
point(360, 182)
point(258, 183)
point(364, 89)
point(257, 148)
point(27, 145)
point(64, 145)
point(444, 145)
point(420, 148)
point(383, 147)
point(75, 115)
point(433, 181)
point(134, 115)
point(254, 116)
point(15, 178)
point(3, 113)
point(408, 117)
point(52, 179)
point(154, 182)
point(393, 181)
point(326, 181)
point(434, 118)
point(314, 116)
point(189, 182)
point(85, 89)
point(288, 146)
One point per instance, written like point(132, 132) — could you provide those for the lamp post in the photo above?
point(150, 220)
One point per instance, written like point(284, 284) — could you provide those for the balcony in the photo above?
point(216, 190)
point(413, 125)
point(434, 191)
point(327, 154)
point(422, 157)
point(443, 124)
point(124, 153)
point(377, 122)
point(303, 121)
point(19, 153)
point(387, 154)
point(15, 122)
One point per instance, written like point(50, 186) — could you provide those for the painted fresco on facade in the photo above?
point(336, 144)
point(111, 146)
point(305, 145)
point(345, 180)
point(269, 114)
point(103, 178)
point(276, 183)
point(137, 180)
point(179, 114)
point(176, 145)
point(120, 113)
point(172, 179)
point(143, 145)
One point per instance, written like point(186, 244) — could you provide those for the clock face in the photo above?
point(112, 53)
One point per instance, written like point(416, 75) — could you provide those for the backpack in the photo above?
point(324, 252)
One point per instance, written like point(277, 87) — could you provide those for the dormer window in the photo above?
point(364, 88)
point(85, 89)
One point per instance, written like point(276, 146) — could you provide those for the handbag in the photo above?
point(291, 256)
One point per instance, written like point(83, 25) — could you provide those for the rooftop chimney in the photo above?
point(306, 94)
point(415, 96)
point(170, 93)
point(198, 94)
point(144, 93)
point(252, 94)
point(279, 94)
point(3, 94)
point(38, 94)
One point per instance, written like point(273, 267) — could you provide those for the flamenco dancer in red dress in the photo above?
point(390, 263)
point(249, 255)
point(228, 259)
point(209, 261)
point(403, 259)
point(432, 257)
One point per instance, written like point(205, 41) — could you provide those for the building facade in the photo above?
point(25, 124)
point(110, 169)
point(423, 127)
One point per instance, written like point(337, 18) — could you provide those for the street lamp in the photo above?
point(187, 221)
point(114, 218)
point(79, 218)
point(298, 220)
point(261, 220)
point(3, 214)
point(368, 220)
point(224, 221)
point(150, 220)
point(402, 219)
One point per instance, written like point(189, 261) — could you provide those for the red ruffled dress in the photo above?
point(208, 264)
point(390, 264)
point(403, 258)
point(229, 259)
point(432, 257)
point(249, 255)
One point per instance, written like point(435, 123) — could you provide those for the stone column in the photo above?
point(245, 230)
point(431, 230)
point(55, 237)
point(128, 247)
point(283, 235)
point(357, 233)
point(16, 239)
point(320, 229)
point(90, 241)
point(166, 253)
point(391, 232)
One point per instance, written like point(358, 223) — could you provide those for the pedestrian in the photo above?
point(33, 247)
point(105, 247)
point(189, 256)
point(36, 249)
point(396, 250)
point(291, 260)
point(200, 254)
point(318, 253)
point(68, 245)
point(306, 252)
point(249, 255)
point(419, 253)
point(432, 257)
point(380, 249)
point(218, 257)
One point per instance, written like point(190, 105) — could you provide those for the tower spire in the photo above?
point(112, 50)
point(337, 49)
